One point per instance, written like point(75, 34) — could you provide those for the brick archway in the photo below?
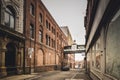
point(40, 57)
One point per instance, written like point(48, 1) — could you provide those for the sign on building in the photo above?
point(30, 51)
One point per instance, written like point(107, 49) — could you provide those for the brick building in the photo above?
point(44, 38)
point(11, 37)
point(70, 57)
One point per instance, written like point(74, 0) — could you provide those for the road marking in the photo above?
point(74, 75)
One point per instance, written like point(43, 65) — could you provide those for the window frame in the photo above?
point(40, 36)
point(47, 24)
point(32, 9)
point(10, 14)
point(40, 17)
point(47, 39)
point(32, 30)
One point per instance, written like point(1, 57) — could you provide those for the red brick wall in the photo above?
point(47, 52)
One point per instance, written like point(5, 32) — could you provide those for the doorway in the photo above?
point(10, 59)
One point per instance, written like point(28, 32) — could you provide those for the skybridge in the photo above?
point(74, 49)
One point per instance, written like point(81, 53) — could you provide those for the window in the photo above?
point(10, 17)
point(49, 26)
point(46, 39)
point(52, 42)
point(32, 9)
point(31, 31)
point(52, 29)
point(40, 36)
point(112, 56)
point(57, 34)
point(57, 44)
point(40, 18)
point(49, 40)
point(46, 23)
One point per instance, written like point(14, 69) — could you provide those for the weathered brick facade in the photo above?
point(47, 40)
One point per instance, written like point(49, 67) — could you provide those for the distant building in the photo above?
point(102, 23)
point(44, 38)
point(70, 57)
point(79, 64)
point(11, 37)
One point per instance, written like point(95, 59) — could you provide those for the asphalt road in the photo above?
point(74, 74)
point(56, 75)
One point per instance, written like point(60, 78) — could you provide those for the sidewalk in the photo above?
point(32, 76)
point(21, 77)
point(81, 75)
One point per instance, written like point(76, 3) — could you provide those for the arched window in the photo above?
point(40, 58)
point(32, 9)
point(10, 17)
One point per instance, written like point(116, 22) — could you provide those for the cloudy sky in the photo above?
point(69, 13)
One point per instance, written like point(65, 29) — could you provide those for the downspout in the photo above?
point(35, 33)
point(24, 32)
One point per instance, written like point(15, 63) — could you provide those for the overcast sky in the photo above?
point(69, 13)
